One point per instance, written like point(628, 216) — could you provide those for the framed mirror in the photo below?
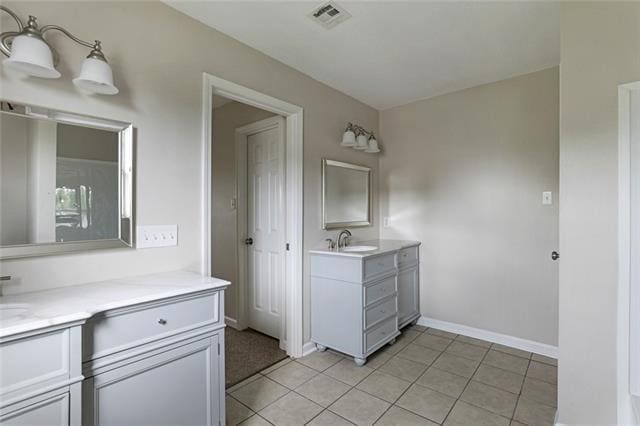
point(66, 182)
point(346, 195)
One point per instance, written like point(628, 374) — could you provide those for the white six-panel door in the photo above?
point(265, 226)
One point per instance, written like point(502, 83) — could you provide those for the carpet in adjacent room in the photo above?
point(248, 352)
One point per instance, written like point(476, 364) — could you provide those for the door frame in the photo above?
point(241, 141)
point(293, 115)
point(628, 315)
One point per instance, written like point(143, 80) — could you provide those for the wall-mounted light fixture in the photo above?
point(29, 53)
point(357, 137)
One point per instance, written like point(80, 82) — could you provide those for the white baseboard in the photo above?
point(490, 336)
point(308, 348)
point(231, 322)
point(555, 420)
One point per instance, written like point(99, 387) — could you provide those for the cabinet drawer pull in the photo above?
point(162, 321)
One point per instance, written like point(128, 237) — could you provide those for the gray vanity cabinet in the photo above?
point(408, 295)
point(359, 303)
point(177, 387)
point(40, 377)
point(158, 363)
point(152, 363)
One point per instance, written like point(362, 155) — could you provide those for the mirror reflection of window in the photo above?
point(87, 178)
point(58, 182)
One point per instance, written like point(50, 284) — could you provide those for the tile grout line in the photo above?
point(466, 386)
point(420, 375)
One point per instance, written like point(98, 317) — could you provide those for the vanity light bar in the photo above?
point(29, 52)
point(358, 138)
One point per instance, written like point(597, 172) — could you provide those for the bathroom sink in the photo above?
point(12, 310)
point(358, 249)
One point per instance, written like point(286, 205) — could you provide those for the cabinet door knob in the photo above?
point(162, 321)
point(555, 255)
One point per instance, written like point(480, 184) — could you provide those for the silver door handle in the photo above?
point(555, 255)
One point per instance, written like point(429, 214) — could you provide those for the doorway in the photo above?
point(253, 226)
point(628, 350)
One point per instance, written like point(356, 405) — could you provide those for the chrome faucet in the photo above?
point(343, 242)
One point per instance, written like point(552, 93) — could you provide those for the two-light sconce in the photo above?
point(358, 138)
point(29, 53)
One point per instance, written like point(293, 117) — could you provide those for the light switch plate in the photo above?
point(156, 236)
point(547, 198)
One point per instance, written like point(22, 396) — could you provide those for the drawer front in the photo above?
point(380, 333)
point(53, 411)
point(408, 255)
point(380, 290)
point(119, 331)
point(379, 312)
point(379, 265)
point(34, 361)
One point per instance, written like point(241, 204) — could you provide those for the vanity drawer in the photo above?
point(380, 333)
point(379, 265)
point(379, 312)
point(407, 256)
point(119, 330)
point(379, 290)
point(34, 362)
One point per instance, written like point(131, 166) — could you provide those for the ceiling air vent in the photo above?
point(329, 15)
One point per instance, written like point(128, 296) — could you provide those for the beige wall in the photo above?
point(600, 48)
point(224, 236)
point(158, 56)
point(464, 173)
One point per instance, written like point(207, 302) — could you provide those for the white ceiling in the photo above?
point(390, 52)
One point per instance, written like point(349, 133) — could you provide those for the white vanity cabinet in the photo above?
point(154, 360)
point(359, 302)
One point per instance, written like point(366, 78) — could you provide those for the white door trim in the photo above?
point(241, 136)
point(293, 115)
point(628, 347)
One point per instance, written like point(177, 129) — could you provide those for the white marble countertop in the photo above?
point(384, 246)
point(41, 309)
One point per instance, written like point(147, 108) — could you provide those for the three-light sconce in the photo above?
point(358, 138)
point(29, 53)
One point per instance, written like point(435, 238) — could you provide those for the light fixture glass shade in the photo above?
point(96, 77)
point(373, 146)
point(31, 56)
point(361, 142)
point(348, 138)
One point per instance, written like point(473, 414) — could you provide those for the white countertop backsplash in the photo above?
point(73, 303)
point(384, 246)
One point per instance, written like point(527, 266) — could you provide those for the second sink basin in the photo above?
point(357, 249)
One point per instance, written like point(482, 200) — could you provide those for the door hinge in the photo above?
point(287, 247)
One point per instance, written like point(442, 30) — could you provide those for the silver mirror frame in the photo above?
point(125, 182)
point(336, 225)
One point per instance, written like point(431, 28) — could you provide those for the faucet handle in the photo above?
point(331, 244)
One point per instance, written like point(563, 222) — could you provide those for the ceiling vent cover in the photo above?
point(329, 15)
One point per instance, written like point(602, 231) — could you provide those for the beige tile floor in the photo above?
point(427, 377)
